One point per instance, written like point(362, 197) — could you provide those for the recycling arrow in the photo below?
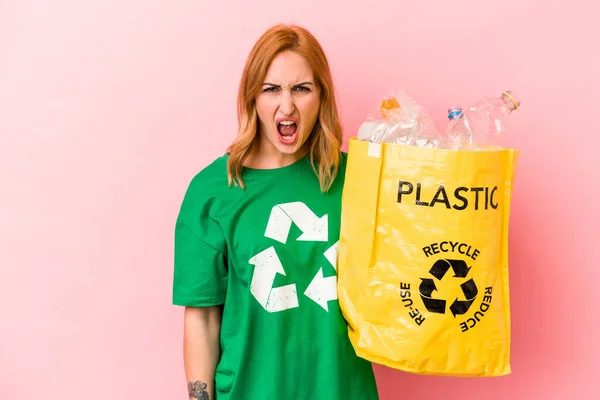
point(440, 267)
point(462, 306)
point(267, 266)
point(331, 254)
point(426, 288)
point(321, 290)
point(280, 221)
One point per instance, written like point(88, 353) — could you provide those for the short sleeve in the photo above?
point(200, 262)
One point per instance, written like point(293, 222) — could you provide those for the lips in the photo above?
point(287, 129)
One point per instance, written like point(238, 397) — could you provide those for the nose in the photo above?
point(286, 104)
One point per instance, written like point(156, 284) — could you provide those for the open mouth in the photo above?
point(287, 131)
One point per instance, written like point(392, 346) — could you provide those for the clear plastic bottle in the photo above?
point(458, 135)
point(479, 126)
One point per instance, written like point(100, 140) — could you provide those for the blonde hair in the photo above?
point(325, 140)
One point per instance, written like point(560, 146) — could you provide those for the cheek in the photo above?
point(310, 108)
point(264, 111)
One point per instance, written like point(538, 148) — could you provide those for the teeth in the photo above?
point(287, 122)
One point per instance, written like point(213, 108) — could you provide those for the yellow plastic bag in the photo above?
point(423, 258)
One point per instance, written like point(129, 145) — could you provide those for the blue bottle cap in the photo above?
point(455, 112)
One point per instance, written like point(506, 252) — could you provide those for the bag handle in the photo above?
point(361, 193)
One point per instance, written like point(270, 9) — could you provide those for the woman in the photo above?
point(256, 241)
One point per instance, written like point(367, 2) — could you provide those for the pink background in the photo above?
point(108, 108)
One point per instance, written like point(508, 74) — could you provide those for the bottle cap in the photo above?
point(510, 99)
point(390, 108)
point(390, 104)
point(454, 112)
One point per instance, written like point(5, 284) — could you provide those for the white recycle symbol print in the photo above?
point(267, 264)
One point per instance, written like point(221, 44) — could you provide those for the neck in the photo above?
point(268, 157)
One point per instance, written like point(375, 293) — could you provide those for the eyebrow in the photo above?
point(297, 84)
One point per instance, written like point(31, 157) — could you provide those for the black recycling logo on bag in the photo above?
point(439, 272)
point(467, 306)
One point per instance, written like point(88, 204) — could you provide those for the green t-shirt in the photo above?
point(268, 254)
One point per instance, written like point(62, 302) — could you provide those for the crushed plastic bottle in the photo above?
point(478, 126)
point(400, 120)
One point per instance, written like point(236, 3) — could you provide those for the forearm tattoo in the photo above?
point(197, 390)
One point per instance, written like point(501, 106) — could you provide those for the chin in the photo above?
point(287, 149)
point(290, 145)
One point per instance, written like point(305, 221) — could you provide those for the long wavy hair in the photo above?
point(325, 140)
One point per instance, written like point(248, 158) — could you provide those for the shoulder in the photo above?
point(211, 177)
point(339, 174)
point(206, 187)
